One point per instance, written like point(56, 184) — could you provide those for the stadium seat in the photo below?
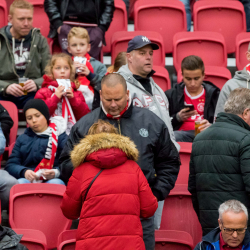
point(178, 213)
point(119, 23)
point(161, 77)
point(164, 17)
point(54, 46)
point(242, 42)
point(32, 239)
point(220, 16)
point(3, 13)
point(210, 46)
point(217, 75)
point(67, 240)
point(37, 206)
point(120, 41)
point(172, 239)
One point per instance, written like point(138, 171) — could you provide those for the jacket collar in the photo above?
point(30, 133)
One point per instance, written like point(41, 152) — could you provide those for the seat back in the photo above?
point(216, 75)
point(220, 16)
point(178, 213)
point(67, 240)
point(120, 41)
point(37, 206)
point(161, 77)
point(32, 239)
point(173, 239)
point(55, 47)
point(13, 112)
point(3, 13)
point(164, 17)
point(242, 42)
point(210, 46)
point(119, 23)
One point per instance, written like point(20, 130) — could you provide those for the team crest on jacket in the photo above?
point(143, 132)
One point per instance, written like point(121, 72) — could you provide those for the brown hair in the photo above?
point(79, 33)
point(192, 63)
point(120, 60)
point(51, 63)
point(102, 127)
point(20, 4)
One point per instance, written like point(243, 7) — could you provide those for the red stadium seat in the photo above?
point(161, 77)
point(120, 41)
point(3, 13)
point(216, 75)
point(37, 206)
point(210, 46)
point(67, 240)
point(164, 17)
point(32, 239)
point(119, 23)
point(55, 46)
point(220, 16)
point(178, 213)
point(242, 42)
point(174, 240)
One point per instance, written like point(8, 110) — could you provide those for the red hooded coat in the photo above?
point(120, 195)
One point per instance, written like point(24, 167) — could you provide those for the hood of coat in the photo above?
point(104, 150)
point(47, 81)
point(242, 75)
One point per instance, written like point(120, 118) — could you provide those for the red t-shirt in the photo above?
point(199, 103)
point(224, 246)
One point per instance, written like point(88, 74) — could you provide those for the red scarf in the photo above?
point(48, 161)
point(248, 68)
point(117, 116)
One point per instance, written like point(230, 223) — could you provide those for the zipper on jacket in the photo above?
point(119, 126)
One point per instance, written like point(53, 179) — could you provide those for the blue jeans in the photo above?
point(52, 181)
point(158, 215)
point(188, 12)
point(2, 141)
point(184, 136)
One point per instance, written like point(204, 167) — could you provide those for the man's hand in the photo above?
point(15, 90)
point(59, 92)
point(30, 175)
point(204, 125)
point(69, 93)
point(184, 114)
point(59, 30)
point(49, 174)
point(30, 86)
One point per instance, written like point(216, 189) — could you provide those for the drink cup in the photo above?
point(197, 124)
point(21, 82)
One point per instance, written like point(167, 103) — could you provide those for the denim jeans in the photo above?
point(184, 136)
point(148, 233)
point(52, 181)
point(2, 141)
point(188, 12)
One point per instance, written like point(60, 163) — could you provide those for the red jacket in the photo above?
point(78, 104)
point(120, 195)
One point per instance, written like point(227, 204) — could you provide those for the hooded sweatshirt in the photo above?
point(241, 79)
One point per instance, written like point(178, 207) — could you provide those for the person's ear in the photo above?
point(69, 50)
point(129, 57)
point(127, 95)
point(89, 47)
point(245, 113)
point(10, 18)
point(248, 55)
point(100, 92)
point(220, 224)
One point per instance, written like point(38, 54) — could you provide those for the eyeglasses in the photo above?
point(232, 230)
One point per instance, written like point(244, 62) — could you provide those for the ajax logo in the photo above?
point(143, 132)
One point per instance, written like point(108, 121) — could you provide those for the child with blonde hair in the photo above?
point(89, 71)
point(59, 90)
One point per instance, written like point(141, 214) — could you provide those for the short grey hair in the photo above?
point(238, 101)
point(233, 206)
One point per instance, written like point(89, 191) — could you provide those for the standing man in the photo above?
point(24, 52)
point(220, 160)
point(94, 16)
point(158, 157)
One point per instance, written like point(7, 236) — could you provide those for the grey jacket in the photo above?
point(100, 71)
point(157, 103)
point(38, 59)
point(240, 79)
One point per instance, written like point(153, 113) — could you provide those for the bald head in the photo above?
point(112, 80)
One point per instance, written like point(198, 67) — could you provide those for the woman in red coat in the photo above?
point(119, 196)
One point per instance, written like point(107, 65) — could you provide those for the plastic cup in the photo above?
point(21, 82)
point(197, 124)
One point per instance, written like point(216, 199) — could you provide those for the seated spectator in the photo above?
point(10, 240)
point(108, 191)
point(120, 60)
point(241, 79)
point(90, 71)
point(232, 232)
point(62, 100)
point(95, 16)
point(201, 95)
point(35, 155)
point(20, 59)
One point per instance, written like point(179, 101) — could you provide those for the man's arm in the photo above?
point(107, 15)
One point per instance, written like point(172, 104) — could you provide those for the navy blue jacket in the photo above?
point(29, 150)
point(211, 241)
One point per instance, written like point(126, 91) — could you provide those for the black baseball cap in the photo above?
point(140, 41)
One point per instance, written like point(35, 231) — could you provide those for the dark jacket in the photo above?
point(211, 241)
point(38, 59)
point(29, 150)
point(176, 102)
point(56, 11)
point(158, 157)
point(10, 240)
point(6, 123)
point(219, 168)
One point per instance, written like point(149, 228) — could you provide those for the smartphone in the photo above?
point(190, 106)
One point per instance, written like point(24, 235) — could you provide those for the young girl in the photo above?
point(62, 101)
